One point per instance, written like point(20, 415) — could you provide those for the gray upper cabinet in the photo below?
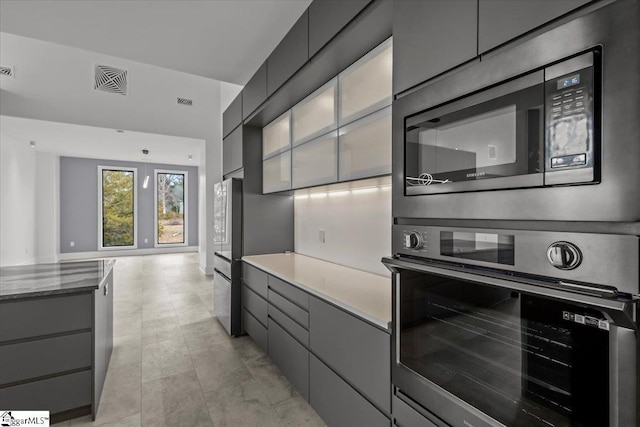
point(255, 91)
point(431, 37)
point(503, 20)
point(328, 17)
point(291, 54)
point(232, 151)
point(232, 116)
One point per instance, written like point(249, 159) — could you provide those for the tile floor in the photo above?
point(174, 365)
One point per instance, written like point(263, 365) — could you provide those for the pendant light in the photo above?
point(146, 177)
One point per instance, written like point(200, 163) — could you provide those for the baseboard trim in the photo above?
point(126, 252)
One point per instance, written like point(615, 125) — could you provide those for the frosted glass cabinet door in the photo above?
point(316, 162)
point(276, 173)
point(365, 147)
point(276, 136)
point(316, 114)
point(366, 86)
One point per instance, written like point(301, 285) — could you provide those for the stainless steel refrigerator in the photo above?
point(227, 281)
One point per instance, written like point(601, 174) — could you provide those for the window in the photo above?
point(117, 208)
point(171, 208)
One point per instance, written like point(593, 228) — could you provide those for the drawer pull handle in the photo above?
point(106, 289)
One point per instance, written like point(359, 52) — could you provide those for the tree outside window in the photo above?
point(170, 207)
point(117, 207)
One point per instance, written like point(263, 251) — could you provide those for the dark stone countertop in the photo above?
point(26, 281)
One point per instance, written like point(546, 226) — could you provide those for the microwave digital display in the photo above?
point(569, 81)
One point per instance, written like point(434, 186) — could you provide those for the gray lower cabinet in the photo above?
point(290, 356)
point(338, 403)
point(55, 351)
point(256, 330)
point(405, 416)
point(358, 351)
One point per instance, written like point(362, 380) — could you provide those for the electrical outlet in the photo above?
point(321, 235)
point(72, 244)
point(146, 240)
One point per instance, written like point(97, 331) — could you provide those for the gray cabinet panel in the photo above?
point(232, 116)
point(255, 305)
point(290, 356)
point(44, 316)
point(255, 330)
point(406, 416)
point(328, 17)
point(256, 280)
point(359, 352)
point(290, 309)
point(502, 20)
point(291, 54)
point(297, 331)
point(255, 91)
point(35, 359)
point(338, 403)
point(290, 292)
point(103, 337)
point(232, 151)
point(431, 37)
point(54, 395)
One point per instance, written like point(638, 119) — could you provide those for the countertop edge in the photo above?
point(380, 324)
point(52, 292)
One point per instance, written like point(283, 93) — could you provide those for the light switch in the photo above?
point(321, 235)
point(72, 244)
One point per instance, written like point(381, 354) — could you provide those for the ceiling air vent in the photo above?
point(185, 101)
point(110, 79)
point(6, 71)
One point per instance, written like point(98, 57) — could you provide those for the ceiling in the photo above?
point(101, 143)
point(220, 39)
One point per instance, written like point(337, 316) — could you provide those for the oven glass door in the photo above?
point(523, 360)
point(497, 133)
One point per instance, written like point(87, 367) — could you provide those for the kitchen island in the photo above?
point(56, 336)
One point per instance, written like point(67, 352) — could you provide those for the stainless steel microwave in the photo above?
point(544, 129)
point(537, 130)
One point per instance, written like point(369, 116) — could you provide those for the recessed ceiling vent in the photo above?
point(6, 71)
point(185, 101)
point(110, 79)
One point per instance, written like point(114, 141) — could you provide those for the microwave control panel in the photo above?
point(569, 124)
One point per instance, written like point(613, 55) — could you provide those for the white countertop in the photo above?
point(364, 294)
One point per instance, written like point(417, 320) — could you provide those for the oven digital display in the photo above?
point(569, 81)
point(487, 247)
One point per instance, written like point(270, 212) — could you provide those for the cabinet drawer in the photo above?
point(291, 292)
point(338, 403)
point(255, 330)
point(34, 359)
point(254, 304)
point(255, 279)
point(297, 331)
point(406, 416)
point(359, 352)
point(290, 309)
point(54, 395)
point(291, 357)
point(34, 317)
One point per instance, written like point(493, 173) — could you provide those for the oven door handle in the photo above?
point(620, 312)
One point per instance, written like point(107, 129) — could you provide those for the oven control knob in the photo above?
point(413, 240)
point(564, 255)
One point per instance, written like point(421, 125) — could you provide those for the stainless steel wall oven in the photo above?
point(516, 328)
point(543, 130)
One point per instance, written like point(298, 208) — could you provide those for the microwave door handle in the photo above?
point(621, 313)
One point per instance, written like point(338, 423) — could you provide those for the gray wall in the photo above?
point(79, 203)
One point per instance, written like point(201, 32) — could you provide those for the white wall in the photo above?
point(17, 202)
point(54, 83)
point(357, 227)
point(47, 207)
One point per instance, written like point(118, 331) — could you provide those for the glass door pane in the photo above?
point(315, 162)
point(170, 208)
point(366, 86)
point(276, 173)
point(365, 147)
point(316, 114)
point(276, 136)
point(118, 208)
